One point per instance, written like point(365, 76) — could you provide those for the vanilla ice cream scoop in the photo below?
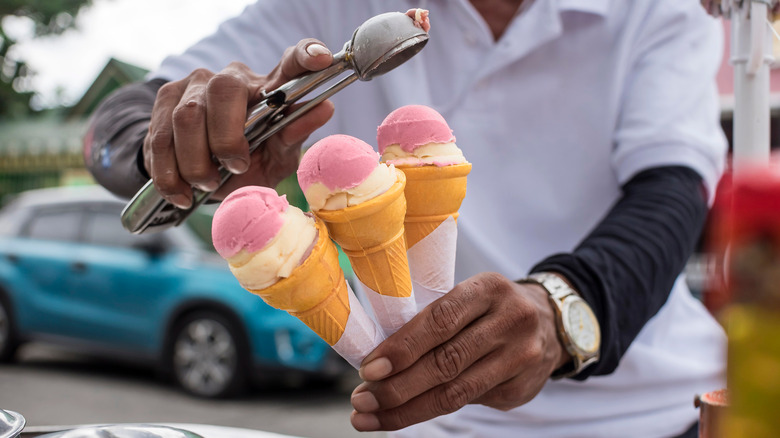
point(261, 235)
point(417, 135)
point(341, 171)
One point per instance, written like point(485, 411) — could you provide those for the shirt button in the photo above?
point(470, 38)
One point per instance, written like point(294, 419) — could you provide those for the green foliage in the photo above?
point(48, 17)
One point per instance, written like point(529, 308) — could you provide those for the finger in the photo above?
point(527, 374)
point(227, 97)
point(434, 325)
point(159, 146)
point(308, 55)
point(515, 392)
point(441, 400)
point(193, 156)
point(294, 134)
point(443, 364)
point(280, 155)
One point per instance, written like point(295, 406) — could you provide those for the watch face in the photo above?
point(581, 325)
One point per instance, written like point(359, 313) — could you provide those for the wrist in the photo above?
point(577, 329)
point(555, 351)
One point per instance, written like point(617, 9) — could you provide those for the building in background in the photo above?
point(45, 150)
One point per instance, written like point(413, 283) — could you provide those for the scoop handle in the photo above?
point(149, 212)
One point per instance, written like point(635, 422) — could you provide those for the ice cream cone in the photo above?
point(316, 291)
point(432, 194)
point(372, 236)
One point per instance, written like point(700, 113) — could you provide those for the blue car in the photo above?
point(71, 275)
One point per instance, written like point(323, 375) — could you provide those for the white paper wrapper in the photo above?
point(389, 312)
point(432, 263)
point(361, 335)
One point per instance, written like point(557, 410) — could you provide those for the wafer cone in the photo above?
point(371, 234)
point(316, 291)
point(432, 195)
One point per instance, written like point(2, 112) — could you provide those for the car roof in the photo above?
point(70, 195)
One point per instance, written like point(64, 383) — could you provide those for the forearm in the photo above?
point(626, 267)
point(112, 147)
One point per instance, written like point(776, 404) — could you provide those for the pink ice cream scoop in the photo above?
point(338, 162)
point(412, 126)
point(341, 170)
point(247, 219)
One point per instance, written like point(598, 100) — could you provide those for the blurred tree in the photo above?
point(48, 17)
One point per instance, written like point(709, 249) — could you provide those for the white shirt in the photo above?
point(590, 92)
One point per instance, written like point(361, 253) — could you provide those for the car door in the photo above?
point(44, 256)
point(120, 281)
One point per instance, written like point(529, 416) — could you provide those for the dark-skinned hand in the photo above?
point(489, 341)
point(203, 115)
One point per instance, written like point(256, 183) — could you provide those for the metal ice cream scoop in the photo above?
point(379, 45)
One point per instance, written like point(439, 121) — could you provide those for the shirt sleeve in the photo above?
point(114, 141)
point(626, 267)
point(669, 113)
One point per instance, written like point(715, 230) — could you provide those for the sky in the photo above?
point(140, 32)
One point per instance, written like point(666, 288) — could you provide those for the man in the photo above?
point(592, 127)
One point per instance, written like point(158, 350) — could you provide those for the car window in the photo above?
point(55, 225)
point(105, 228)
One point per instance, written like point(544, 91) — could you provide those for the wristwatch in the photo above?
point(578, 329)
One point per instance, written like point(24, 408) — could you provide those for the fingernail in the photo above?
point(377, 369)
point(182, 201)
point(317, 50)
point(209, 186)
point(365, 422)
point(364, 402)
point(235, 165)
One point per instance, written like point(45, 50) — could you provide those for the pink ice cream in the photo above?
point(247, 219)
point(338, 162)
point(417, 135)
point(261, 235)
point(413, 126)
point(340, 170)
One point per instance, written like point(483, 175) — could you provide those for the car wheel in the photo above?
point(207, 355)
point(8, 341)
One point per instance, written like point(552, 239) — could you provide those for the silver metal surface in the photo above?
point(11, 424)
point(379, 45)
point(124, 431)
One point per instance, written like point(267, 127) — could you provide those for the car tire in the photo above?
point(8, 339)
point(208, 355)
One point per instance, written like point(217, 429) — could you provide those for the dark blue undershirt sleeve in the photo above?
point(625, 268)
point(113, 144)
